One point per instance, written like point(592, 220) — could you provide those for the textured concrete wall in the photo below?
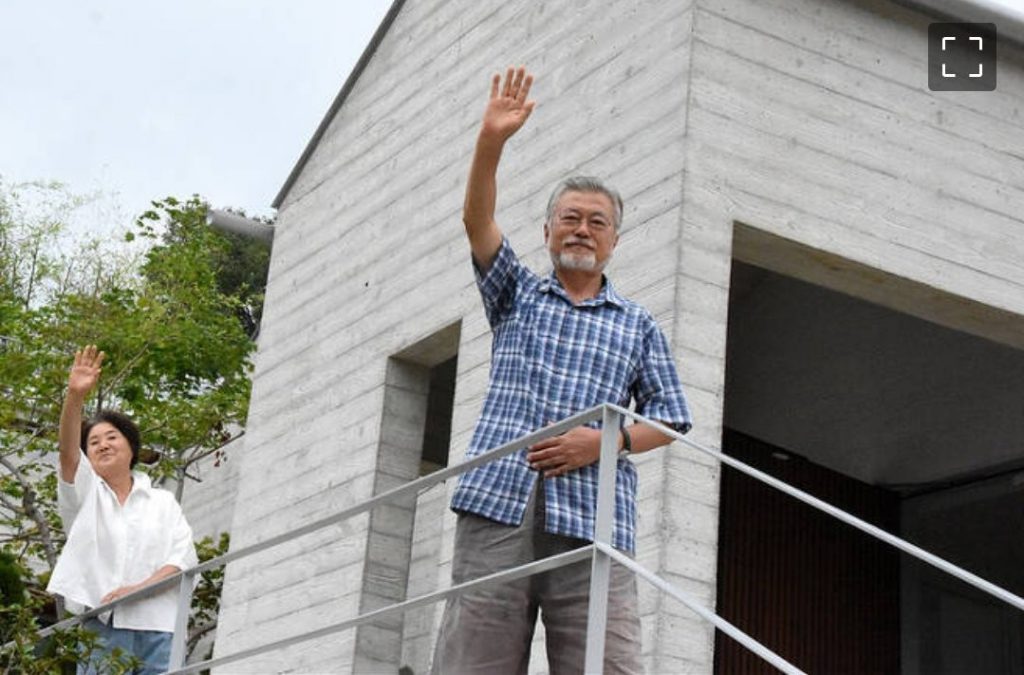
point(370, 256)
point(389, 544)
point(811, 120)
point(808, 119)
point(420, 625)
point(209, 500)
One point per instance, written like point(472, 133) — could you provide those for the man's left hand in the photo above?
point(559, 455)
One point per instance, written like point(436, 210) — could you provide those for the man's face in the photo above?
point(108, 450)
point(581, 234)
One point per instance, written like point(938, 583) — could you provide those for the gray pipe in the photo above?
point(235, 224)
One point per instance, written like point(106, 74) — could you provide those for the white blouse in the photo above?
point(110, 545)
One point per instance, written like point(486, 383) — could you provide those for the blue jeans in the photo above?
point(152, 647)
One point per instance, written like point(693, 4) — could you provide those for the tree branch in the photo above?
point(111, 383)
point(7, 503)
point(37, 431)
point(197, 633)
point(28, 502)
point(206, 453)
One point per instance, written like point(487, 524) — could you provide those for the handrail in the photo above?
point(718, 622)
point(412, 487)
point(600, 551)
point(494, 579)
point(876, 532)
point(603, 528)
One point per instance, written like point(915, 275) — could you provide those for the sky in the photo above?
point(139, 99)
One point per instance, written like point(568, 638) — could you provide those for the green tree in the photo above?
point(169, 310)
point(239, 264)
point(206, 596)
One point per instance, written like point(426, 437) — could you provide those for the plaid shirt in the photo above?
point(549, 360)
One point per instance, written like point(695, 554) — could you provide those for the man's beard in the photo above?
point(577, 261)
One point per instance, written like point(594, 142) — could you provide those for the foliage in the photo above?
point(185, 371)
point(206, 596)
point(12, 587)
point(239, 264)
point(23, 654)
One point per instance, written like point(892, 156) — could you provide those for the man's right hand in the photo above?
point(85, 372)
point(508, 109)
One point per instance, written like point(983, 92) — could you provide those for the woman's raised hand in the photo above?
point(85, 372)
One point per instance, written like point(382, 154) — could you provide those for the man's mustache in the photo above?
point(570, 241)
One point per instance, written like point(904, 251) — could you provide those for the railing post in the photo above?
point(179, 644)
point(600, 573)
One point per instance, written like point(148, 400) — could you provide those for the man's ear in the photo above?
point(547, 232)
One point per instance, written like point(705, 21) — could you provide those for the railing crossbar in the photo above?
point(411, 488)
point(704, 613)
point(876, 532)
point(505, 576)
point(600, 550)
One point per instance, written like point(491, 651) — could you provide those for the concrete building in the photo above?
point(834, 251)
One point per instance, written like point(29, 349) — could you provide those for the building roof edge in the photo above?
point(350, 82)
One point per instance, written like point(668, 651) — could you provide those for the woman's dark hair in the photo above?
point(119, 421)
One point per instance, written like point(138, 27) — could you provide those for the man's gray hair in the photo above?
point(585, 184)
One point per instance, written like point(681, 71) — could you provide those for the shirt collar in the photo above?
point(141, 482)
point(607, 294)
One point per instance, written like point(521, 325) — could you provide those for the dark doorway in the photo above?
point(820, 593)
point(905, 409)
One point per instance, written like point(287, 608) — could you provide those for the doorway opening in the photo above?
point(403, 544)
point(903, 420)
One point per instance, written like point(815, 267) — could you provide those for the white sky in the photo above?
point(141, 99)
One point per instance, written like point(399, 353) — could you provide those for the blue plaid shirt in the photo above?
point(549, 360)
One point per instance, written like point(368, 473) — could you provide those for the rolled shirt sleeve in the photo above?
point(71, 496)
point(658, 392)
point(182, 553)
point(499, 284)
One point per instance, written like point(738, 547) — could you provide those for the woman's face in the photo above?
point(108, 450)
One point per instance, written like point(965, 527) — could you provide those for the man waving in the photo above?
point(562, 343)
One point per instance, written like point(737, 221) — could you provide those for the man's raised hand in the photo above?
point(85, 372)
point(508, 108)
point(507, 111)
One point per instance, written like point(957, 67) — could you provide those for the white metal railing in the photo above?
point(601, 553)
